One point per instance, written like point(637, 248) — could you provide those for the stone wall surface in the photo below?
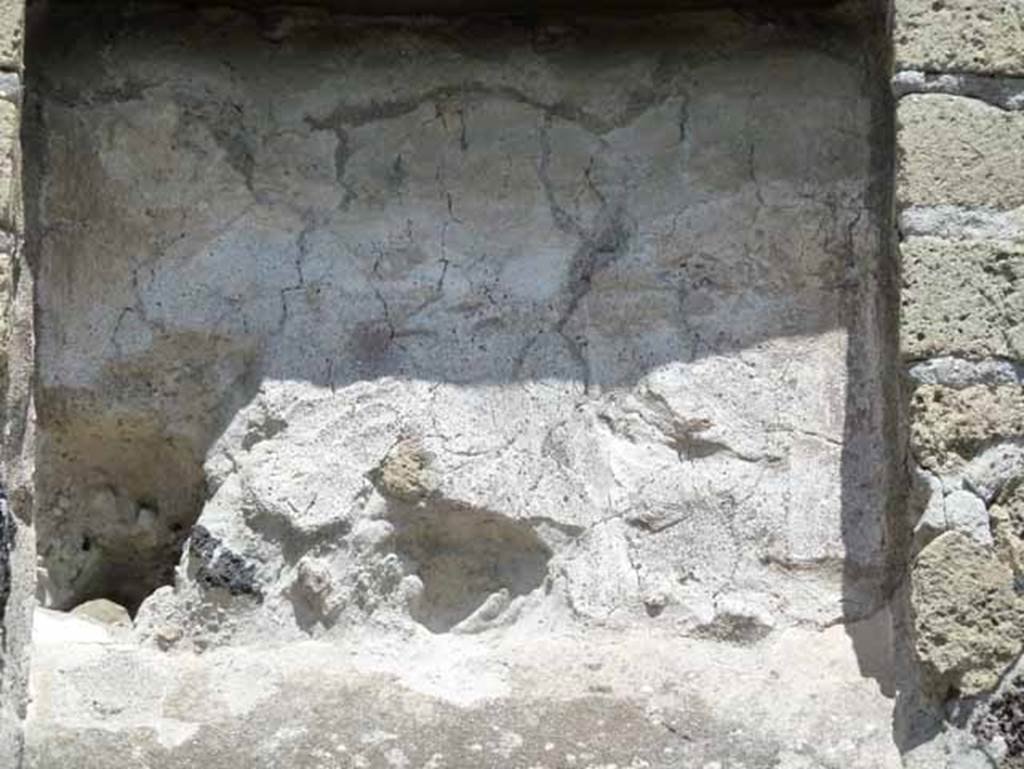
point(490, 392)
point(465, 392)
point(960, 206)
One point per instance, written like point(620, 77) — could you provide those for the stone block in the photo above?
point(962, 298)
point(967, 615)
point(12, 24)
point(958, 151)
point(960, 35)
point(949, 427)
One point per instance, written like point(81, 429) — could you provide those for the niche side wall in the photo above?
point(17, 545)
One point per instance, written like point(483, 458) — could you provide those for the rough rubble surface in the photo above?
point(970, 614)
point(985, 36)
point(960, 121)
point(474, 344)
point(952, 426)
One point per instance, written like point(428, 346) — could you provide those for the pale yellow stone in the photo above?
point(12, 23)
point(960, 35)
point(962, 298)
point(958, 151)
point(948, 425)
point(968, 619)
point(404, 472)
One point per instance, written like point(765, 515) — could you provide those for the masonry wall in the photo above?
point(960, 199)
point(453, 351)
point(770, 584)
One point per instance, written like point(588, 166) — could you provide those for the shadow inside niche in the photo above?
point(122, 476)
point(470, 562)
point(876, 529)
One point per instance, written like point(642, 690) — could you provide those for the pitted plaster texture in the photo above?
point(564, 300)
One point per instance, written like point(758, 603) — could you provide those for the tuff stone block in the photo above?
point(12, 23)
point(951, 426)
point(957, 151)
point(962, 298)
point(959, 35)
point(968, 616)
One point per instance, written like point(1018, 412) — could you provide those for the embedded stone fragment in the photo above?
point(965, 512)
point(959, 36)
point(404, 473)
point(1005, 92)
point(314, 577)
point(962, 298)
point(949, 506)
point(968, 618)
point(314, 587)
point(949, 426)
point(218, 567)
point(958, 151)
point(959, 372)
point(997, 467)
point(159, 619)
point(102, 610)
